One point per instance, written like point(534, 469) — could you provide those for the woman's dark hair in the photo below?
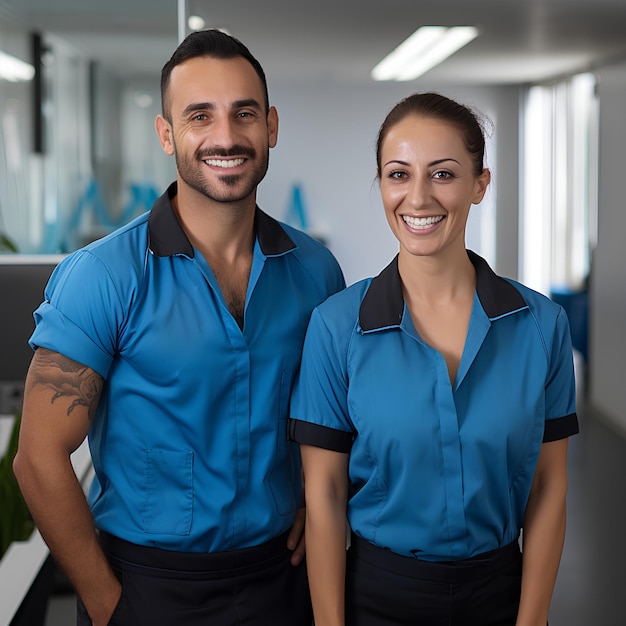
point(208, 43)
point(434, 105)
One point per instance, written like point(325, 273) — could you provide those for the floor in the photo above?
point(591, 587)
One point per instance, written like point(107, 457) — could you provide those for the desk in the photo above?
point(23, 560)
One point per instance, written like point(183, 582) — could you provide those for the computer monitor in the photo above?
point(22, 282)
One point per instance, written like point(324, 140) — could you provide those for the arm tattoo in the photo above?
point(67, 378)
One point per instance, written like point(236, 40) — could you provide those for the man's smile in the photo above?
point(224, 163)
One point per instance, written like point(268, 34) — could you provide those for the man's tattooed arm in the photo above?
point(67, 379)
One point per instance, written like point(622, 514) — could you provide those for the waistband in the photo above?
point(173, 560)
point(487, 563)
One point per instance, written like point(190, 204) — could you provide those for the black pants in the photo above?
point(252, 587)
point(386, 589)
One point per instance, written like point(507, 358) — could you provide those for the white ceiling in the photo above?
point(341, 40)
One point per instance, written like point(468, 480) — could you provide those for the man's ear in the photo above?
point(272, 126)
point(164, 131)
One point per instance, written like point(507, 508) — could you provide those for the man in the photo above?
point(174, 343)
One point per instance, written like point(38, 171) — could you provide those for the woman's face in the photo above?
point(428, 184)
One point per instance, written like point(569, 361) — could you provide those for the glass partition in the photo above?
point(79, 154)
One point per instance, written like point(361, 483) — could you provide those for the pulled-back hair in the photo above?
point(436, 106)
point(208, 43)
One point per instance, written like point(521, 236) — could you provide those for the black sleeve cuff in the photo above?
point(560, 428)
point(320, 436)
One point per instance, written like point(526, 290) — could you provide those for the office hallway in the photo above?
point(591, 588)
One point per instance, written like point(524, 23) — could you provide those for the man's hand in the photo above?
point(295, 541)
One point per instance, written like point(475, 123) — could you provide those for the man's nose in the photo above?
point(223, 132)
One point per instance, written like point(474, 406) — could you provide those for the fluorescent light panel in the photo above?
point(14, 69)
point(427, 47)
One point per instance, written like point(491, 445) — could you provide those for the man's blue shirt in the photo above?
point(189, 442)
point(438, 471)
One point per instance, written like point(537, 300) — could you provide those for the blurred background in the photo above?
point(79, 156)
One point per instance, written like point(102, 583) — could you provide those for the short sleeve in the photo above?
point(320, 396)
point(560, 394)
point(81, 314)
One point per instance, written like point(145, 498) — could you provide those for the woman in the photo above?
point(434, 405)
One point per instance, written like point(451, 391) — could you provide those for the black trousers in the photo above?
point(251, 587)
point(387, 589)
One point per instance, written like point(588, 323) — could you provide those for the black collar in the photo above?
point(167, 237)
point(383, 304)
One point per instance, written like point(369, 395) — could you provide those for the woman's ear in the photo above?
point(482, 182)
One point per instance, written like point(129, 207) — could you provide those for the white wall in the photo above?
point(608, 274)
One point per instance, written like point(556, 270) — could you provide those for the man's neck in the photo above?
point(219, 230)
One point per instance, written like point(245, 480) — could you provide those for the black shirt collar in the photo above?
point(383, 304)
point(167, 237)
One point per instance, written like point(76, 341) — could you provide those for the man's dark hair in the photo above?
point(208, 43)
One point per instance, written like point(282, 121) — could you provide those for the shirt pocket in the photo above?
point(285, 476)
point(168, 506)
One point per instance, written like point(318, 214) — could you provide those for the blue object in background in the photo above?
point(576, 305)
point(296, 212)
point(143, 196)
point(92, 197)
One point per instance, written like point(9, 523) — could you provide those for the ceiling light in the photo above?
point(14, 69)
point(142, 99)
point(195, 22)
point(424, 49)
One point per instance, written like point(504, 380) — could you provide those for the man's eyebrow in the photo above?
point(198, 106)
point(248, 102)
point(210, 106)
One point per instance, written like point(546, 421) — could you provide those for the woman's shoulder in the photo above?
point(347, 300)
point(339, 313)
point(536, 300)
point(549, 316)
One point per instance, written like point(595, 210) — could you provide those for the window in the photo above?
point(559, 184)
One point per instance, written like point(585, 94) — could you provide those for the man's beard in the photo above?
point(231, 187)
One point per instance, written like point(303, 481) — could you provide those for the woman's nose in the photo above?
point(418, 192)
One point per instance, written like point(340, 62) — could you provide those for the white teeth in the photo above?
point(225, 163)
point(421, 222)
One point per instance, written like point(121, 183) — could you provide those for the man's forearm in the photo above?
point(60, 510)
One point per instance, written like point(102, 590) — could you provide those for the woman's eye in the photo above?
point(397, 175)
point(442, 175)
